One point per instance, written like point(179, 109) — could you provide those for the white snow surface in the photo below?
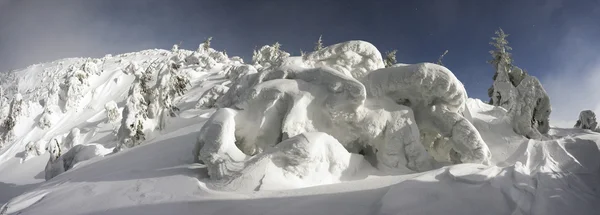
point(311, 171)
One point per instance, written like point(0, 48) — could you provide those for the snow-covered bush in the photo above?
point(112, 112)
point(587, 120)
point(269, 56)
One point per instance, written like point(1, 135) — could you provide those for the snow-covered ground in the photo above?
point(310, 173)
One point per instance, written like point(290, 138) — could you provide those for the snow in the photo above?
point(587, 120)
point(287, 141)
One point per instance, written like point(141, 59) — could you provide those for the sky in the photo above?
point(554, 40)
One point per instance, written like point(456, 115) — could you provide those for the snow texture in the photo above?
point(59, 162)
point(356, 58)
point(525, 99)
point(531, 112)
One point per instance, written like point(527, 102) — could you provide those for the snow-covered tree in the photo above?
point(7, 126)
point(112, 111)
point(587, 120)
point(500, 56)
point(131, 132)
point(268, 56)
point(439, 61)
point(390, 58)
point(319, 43)
point(46, 118)
point(174, 82)
point(76, 81)
point(502, 90)
point(206, 44)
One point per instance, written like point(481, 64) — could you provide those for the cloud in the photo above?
point(40, 31)
point(574, 83)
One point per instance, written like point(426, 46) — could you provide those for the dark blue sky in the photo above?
point(556, 40)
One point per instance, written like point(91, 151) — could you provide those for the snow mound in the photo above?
point(305, 160)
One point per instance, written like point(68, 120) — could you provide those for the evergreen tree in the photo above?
point(319, 43)
point(500, 55)
point(390, 58)
point(206, 44)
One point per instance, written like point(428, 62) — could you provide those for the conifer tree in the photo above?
point(390, 58)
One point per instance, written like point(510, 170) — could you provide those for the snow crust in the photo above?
point(331, 134)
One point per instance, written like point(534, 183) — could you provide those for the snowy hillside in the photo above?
point(329, 132)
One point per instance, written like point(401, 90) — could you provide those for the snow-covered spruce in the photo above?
point(587, 120)
point(269, 56)
point(7, 126)
point(72, 90)
point(531, 112)
point(131, 131)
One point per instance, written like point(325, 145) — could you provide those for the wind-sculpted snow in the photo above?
point(355, 58)
point(438, 100)
point(61, 161)
point(308, 159)
point(374, 117)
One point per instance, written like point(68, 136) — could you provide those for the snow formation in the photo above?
point(525, 99)
point(587, 120)
point(376, 140)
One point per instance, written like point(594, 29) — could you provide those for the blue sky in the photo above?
point(555, 40)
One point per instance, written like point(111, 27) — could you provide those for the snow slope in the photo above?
point(556, 176)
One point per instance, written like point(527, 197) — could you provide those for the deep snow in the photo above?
point(560, 175)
